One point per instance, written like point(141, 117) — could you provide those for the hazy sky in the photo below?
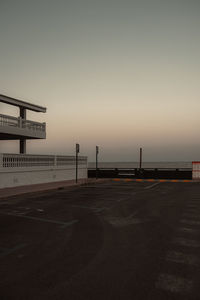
point(121, 74)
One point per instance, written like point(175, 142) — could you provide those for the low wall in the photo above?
point(143, 173)
point(196, 170)
point(20, 170)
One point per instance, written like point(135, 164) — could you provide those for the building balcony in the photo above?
point(12, 128)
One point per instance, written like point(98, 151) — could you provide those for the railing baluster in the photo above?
point(8, 160)
point(21, 123)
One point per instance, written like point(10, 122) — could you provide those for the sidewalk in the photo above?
point(13, 191)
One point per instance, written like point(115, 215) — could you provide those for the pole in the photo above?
point(22, 142)
point(140, 158)
point(22, 146)
point(97, 152)
point(77, 151)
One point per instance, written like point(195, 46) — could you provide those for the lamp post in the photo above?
point(77, 152)
point(140, 158)
point(97, 152)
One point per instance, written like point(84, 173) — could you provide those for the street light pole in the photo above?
point(140, 158)
point(97, 152)
point(77, 152)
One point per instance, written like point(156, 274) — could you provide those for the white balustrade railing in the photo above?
point(8, 160)
point(21, 123)
point(9, 121)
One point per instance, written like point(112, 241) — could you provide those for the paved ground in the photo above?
point(114, 240)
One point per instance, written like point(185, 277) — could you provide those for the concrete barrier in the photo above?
point(22, 169)
point(196, 170)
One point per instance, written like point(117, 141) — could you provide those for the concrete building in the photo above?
point(12, 128)
point(27, 169)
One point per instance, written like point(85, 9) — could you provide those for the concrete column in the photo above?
point(22, 143)
point(22, 146)
point(22, 113)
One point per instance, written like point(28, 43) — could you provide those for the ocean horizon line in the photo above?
point(145, 164)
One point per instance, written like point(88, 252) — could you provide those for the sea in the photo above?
point(157, 164)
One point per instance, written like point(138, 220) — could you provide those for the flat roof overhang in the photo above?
point(22, 104)
point(12, 137)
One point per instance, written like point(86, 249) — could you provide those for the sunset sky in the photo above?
point(121, 74)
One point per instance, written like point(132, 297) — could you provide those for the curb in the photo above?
point(153, 180)
point(45, 187)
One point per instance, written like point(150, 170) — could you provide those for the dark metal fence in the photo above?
point(146, 173)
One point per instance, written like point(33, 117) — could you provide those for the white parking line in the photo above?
point(64, 224)
point(152, 185)
point(195, 206)
point(186, 242)
point(97, 209)
point(9, 251)
point(182, 258)
point(188, 230)
point(192, 215)
point(190, 222)
point(173, 283)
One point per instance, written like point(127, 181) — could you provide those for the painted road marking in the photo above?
point(125, 222)
point(190, 222)
point(192, 205)
point(88, 207)
point(151, 180)
point(100, 209)
point(191, 215)
point(9, 251)
point(174, 284)
point(121, 222)
point(152, 185)
point(63, 224)
point(194, 201)
point(192, 210)
point(179, 257)
point(186, 242)
point(189, 230)
point(195, 210)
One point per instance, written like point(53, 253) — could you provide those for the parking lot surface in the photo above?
point(111, 240)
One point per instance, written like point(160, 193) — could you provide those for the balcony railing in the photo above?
point(8, 160)
point(21, 123)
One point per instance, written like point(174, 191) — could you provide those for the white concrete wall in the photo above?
point(196, 170)
point(11, 177)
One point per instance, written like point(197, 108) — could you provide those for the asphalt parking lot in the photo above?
point(111, 240)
